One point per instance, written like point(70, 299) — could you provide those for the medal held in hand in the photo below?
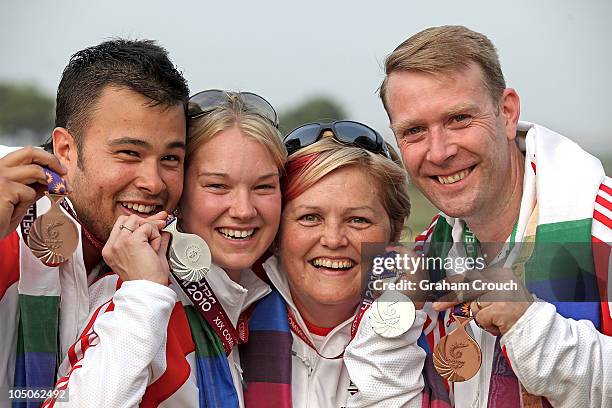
point(190, 257)
point(457, 356)
point(53, 237)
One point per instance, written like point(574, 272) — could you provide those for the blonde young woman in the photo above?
point(152, 341)
point(342, 189)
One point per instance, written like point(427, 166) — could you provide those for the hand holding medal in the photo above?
point(495, 311)
point(136, 248)
point(457, 356)
point(22, 182)
point(53, 237)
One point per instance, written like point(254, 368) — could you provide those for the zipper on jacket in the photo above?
point(306, 362)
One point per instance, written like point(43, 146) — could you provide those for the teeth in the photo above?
point(453, 178)
point(328, 263)
point(236, 234)
point(145, 209)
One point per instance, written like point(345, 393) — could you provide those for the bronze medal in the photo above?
point(53, 237)
point(457, 356)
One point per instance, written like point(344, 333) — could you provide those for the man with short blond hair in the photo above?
point(501, 183)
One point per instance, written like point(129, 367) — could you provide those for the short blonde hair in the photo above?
point(234, 112)
point(307, 166)
point(443, 50)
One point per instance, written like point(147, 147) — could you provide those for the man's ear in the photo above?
point(510, 109)
point(65, 149)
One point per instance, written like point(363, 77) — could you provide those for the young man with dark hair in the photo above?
point(120, 137)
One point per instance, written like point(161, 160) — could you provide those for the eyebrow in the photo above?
point(176, 145)
point(466, 107)
point(401, 125)
point(349, 209)
point(452, 111)
point(268, 175)
point(142, 143)
point(218, 174)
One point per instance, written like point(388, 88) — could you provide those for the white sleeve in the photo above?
point(564, 360)
point(109, 365)
point(387, 372)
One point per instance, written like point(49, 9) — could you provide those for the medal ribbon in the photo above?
point(295, 328)
point(470, 242)
point(206, 303)
point(95, 242)
point(27, 221)
point(208, 306)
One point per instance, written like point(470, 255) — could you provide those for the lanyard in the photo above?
point(27, 221)
point(470, 242)
point(295, 328)
point(205, 301)
point(97, 244)
point(517, 264)
point(367, 299)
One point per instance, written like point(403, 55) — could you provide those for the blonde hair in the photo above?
point(307, 166)
point(443, 50)
point(234, 112)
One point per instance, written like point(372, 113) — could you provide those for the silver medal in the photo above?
point(190, 257)
point(392, 314)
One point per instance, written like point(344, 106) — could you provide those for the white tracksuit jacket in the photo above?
point(128, 343)
point(137, 344)
point(319, 382)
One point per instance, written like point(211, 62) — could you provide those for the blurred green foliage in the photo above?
point(421, 214)
point(24, 107)
point(315, 109)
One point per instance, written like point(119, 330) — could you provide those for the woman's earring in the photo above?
point(176, 212)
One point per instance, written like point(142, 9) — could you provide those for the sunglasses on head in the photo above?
point(205, 102)
point(345, 131)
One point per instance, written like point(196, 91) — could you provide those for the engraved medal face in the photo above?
point(53, 237)
point(392, 314)
point(190, 257)
point(457, 356)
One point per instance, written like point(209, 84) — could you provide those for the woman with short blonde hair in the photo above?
point(342, 189)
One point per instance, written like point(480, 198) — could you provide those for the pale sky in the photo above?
point(556, 53)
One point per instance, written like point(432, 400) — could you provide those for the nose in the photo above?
point(440, 147)
point(149, 179)
point(242, 206)
point(334, 236)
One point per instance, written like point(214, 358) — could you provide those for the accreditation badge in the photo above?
point(53, 237)
point(190, 257)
